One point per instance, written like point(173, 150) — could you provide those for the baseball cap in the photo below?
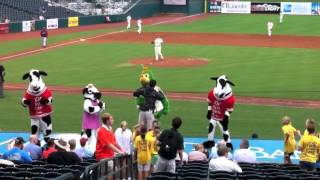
point(83, 141)
point(19, 140)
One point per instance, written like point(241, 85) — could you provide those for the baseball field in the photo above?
point(274, 76)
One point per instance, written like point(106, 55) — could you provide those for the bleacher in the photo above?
point(263, 171)
point(40, 170)
point(18, 10)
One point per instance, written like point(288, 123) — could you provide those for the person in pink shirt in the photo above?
point(198, 154)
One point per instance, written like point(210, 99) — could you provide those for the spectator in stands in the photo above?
point(62, 156)
point(143, 150)
point(184, 157)
point(33, 148)
point(214, 151)
point(244, 154)
point(16, 153)
point(152, 135)
point(50, 148)
point(197, 154)
point(289, 133)
point(171, 142)
point(309, 147)
point(72, 145)
point(123, 137)
point(135, 131)
point(6, 20)
point(107, 146)
point(222, 163)
point(84, 152)
point(2, 74)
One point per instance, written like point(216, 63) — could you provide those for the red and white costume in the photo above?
point(36, 109)
point(38, 98)
point(220, 105)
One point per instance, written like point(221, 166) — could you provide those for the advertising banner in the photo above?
point(265, 8)
point(315, 8)
point(175, 2)
point(73, 21)
point(297, 8)
point(52, 23)
point(4, 28)
point(242, 7)
point(214, 6)
point(26, 26)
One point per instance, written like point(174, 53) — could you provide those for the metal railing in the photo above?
point(119, 167)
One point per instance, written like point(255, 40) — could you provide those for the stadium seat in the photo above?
point(26, 174)
point(39, 178)
point(51, 175)
point(40, 170)
point(11, 178)
point(194, 174)
point(169, 174)
point(222, 175)
point(10, 169)
point(310, 178)
point(281, 177)
point(52, 166)
point(193, 178)
point(252, 177)
point(25, 166)
point(38, 163)
point(161, 177)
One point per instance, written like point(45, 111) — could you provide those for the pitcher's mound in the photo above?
point(171, 62)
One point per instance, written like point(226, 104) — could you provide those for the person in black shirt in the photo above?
point(62, 156)
point(2, 73)
point(146, 110)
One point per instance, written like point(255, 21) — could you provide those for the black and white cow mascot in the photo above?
point(38, 98)
point(220, 106)
point(91, 115)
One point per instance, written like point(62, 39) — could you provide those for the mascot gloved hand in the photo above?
point(92, 107)
point(38, 98)
point(220, 106)
point(162, 107)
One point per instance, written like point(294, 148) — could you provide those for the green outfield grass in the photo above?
point(248, 24)
point(244, 121)
point(267, 72)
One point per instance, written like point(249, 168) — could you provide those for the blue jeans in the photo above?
point(307, 165)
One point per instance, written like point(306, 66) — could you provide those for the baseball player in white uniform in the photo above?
point(157, 47)
point(269, 27)
point(128, 22)
point(139, 22)
point(281, 17)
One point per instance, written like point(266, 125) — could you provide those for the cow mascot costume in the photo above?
point(220, 106)
point(38, 98)
point(92, 107)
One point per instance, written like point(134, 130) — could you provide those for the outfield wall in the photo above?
point(140, 9)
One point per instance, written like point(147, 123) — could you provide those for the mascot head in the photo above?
point(146, 76)
point(223, 88)
point(36, 85)
point(91, 92)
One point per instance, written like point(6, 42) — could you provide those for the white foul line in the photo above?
point(84, 39)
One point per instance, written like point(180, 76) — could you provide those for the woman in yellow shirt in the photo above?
point(289, 133)
point(153, 135)
point(143, 150)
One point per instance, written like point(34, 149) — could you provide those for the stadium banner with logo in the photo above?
point(175, 2)
point(315, 8)
point(4, 28)
point(242, 7)
point(52, 23)
point(214, 6)
point(296, 8)
point(265, 8)
point(26, 26)
point(73, 21)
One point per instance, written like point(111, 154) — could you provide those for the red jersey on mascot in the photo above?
point(38, 99)
point(220, 106)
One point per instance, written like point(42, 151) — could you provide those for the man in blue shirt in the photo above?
point(16, 153)
point(33, 148)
